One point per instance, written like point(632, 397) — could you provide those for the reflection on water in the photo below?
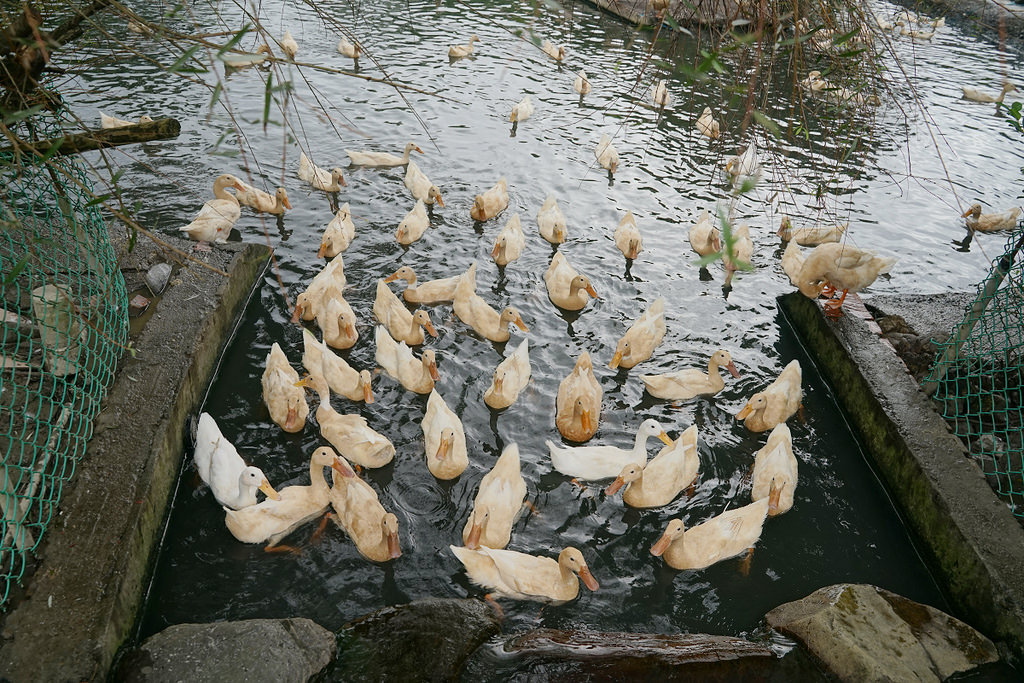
point(843, 527)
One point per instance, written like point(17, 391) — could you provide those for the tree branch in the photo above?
point(161, 129)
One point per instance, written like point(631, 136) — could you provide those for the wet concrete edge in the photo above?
point(971, 539)
point(83, 599)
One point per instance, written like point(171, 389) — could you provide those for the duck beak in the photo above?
point(473, 540)
point(394, 552)
point(591, 291)
point(297, 313)
point(269, 491)
point(322, 250)
point(614, 487)
point(659, 548)
point(498, 381)
point(588, 579)
point(350, 330)
point(429, 326)
point(443, 448)
point(747, 410)
point(731, 367)
point(341, 181)
point(520, 324)
point(495, 251)
point(616, 359)
point(292, 418)
point(287, 203)
point(774, 497)
point(367, 393)
point(343, 468)
point(418, 149)
point(391, 278)
point(585, 420)
point(665, 439)
point(439, 200)
point(966, 213)
point(434, 374)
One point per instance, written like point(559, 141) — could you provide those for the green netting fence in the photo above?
point(979, 372)
point(64, 324)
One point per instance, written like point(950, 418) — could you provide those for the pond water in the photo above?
point(893, 189)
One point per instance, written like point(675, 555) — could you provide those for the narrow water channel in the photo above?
point(843, 526)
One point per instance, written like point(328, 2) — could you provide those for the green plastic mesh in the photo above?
point(979, 384)
point(64, 324)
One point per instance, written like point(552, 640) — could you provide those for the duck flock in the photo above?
point(831, 269)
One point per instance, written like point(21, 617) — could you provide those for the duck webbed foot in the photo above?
point(834, 307)
point(745, 562)
point(489, 599)
point(315, 538)
point(283, 549)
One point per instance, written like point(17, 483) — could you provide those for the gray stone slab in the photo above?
point(249, 651)
point(82, 600)
point(860, 633)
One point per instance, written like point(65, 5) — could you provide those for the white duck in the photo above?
point(415, 374)
point(582, 84)
point(358, 511)
point(776, 403)
point(420, 186)
point(627, 237)
point(658, 482)
point(842, 267)
point(606, 153)
point(330, 281)
point(350, 434)
point(256, 198)
point(508, 245)
point(498, 502)
point(287, 405)
point(114, 122)
point(793, 262)
point(341, 377)
point(443, 439)
point(232, 482)
point(567, 288)
point(522, 110)
point(739, 256)
point(431, 292)
point(337, 321)
point(775, 471)
point(551, 221)
point(413, 225)
point(708, 126)
point(990, 222)
point(328, 181)
point(509, 378)
point(350, 50)
point(809, 237)
point(744, 168)
point(660, 94)
point(492, 202)
point(719, 538)
point(510, 574)
point(272, 520)
point(459, 51)
point(289, 45)
point(683, 385)
point(338, 234)
point(578, 402)
point(605, 462)
point(382, 159)
point(642, 337)
point(478, 314)
point(404, 326)
point(214, 221)
point(705, 237)
point(975, 95)
point(556, 53)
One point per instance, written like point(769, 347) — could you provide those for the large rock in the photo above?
point(554, 654)
point(252, 650)
point(864, 633)
point(426, 640)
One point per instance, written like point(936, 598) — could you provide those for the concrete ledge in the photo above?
point(970, 537)
point(83, 599)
